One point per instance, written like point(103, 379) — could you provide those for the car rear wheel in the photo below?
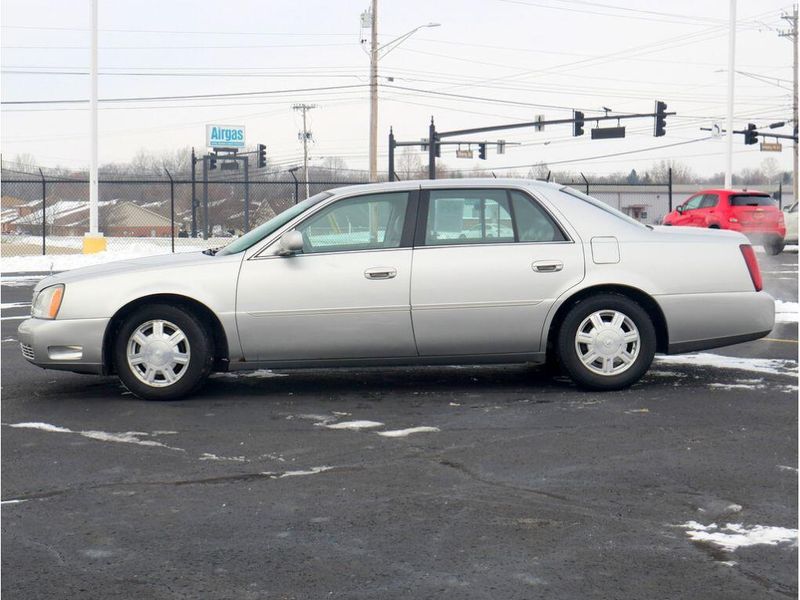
point(162, 353)
point(774, 247)
point(606, 342)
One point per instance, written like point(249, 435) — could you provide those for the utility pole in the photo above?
point(373, 94)
point(791, 35)
point(731, 75)
point(305, 136)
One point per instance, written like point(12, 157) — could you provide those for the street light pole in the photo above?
point(93, 241)
point(373, 94)
point(374, 57)
point(731, 75)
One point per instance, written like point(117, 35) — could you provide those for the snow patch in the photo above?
point(406, 432)
point(128, 437)
point(787, 468)
point(755, 365)
point(14, 305)
point(352, 425)
point(12, 502)
point(260, 373)
point(14, 318)
point(9, 339)
point(208, 456)
point(786, 312)
point(735, 535)
point(311, 471)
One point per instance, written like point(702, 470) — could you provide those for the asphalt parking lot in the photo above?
point(280, 485)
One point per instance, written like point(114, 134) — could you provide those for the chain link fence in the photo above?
point(44, 215)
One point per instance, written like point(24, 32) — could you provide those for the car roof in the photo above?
point(729, 192)
point(448, 183)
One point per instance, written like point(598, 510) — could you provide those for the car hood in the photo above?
point(148, 263)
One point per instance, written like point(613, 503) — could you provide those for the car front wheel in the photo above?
point(162, 353)
point(606, 342)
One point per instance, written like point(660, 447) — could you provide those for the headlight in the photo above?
point(47, 302)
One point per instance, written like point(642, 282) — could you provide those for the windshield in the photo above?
point(602, 206)
point(254, 236)
point(751, 200)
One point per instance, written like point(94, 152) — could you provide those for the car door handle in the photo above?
point(380, 273)
point(547, 266)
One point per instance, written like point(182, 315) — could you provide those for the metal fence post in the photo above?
point(44, 213)
point(296, 184)
point(205, 197)
point(586, 181)
point(171, 210)
point(246, 194)
point(391, 155)
point(194, 197)
point(669, 187)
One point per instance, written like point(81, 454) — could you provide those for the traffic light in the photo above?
point(577, 126)
point(262, 156)
point(437, 149)
point(661, 119)
point(212, 162)
point(750, 135)
point(482, 151)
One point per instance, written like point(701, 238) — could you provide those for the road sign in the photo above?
point(225, 136)
point(463, 153)
point(606, 133)
point(771, 147)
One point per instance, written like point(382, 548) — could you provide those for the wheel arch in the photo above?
point(204, 314)
point(645, 300)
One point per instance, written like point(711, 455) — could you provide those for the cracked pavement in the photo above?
point(530, 488)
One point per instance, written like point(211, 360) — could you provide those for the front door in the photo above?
point(346, 295)
point(488, 265)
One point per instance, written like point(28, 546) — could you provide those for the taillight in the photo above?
point(752, 266)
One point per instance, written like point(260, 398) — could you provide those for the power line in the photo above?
point(189, 96)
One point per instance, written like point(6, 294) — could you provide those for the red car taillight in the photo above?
point(752, 266)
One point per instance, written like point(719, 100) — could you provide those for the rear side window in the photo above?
point(709, 201)
point(751, 200)
point(533, 223)
point(468, 217)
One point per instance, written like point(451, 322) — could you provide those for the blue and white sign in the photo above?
point(225, 136)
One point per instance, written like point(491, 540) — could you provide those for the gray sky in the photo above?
point(510, 59)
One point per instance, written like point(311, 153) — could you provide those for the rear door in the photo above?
point(488, 264)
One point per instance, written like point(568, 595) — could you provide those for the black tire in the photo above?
point(568, 354)
point(192, 375)
point(774, 247)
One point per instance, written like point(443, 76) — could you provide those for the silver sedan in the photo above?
point(409, 273)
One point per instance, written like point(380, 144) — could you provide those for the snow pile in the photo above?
point(118, 249)
point(735, 535)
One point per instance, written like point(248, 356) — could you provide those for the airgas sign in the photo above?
point(225, 136)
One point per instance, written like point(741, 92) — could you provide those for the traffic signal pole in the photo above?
point(578, 119)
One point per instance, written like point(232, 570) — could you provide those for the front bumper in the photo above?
point(703, 321)
point(64, 344)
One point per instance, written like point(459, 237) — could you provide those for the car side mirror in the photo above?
point(290, 243)
point(679, 208)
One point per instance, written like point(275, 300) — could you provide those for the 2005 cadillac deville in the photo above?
point(409, 273)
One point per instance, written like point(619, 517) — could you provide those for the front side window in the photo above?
point(369, 222)
point(693, 203)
